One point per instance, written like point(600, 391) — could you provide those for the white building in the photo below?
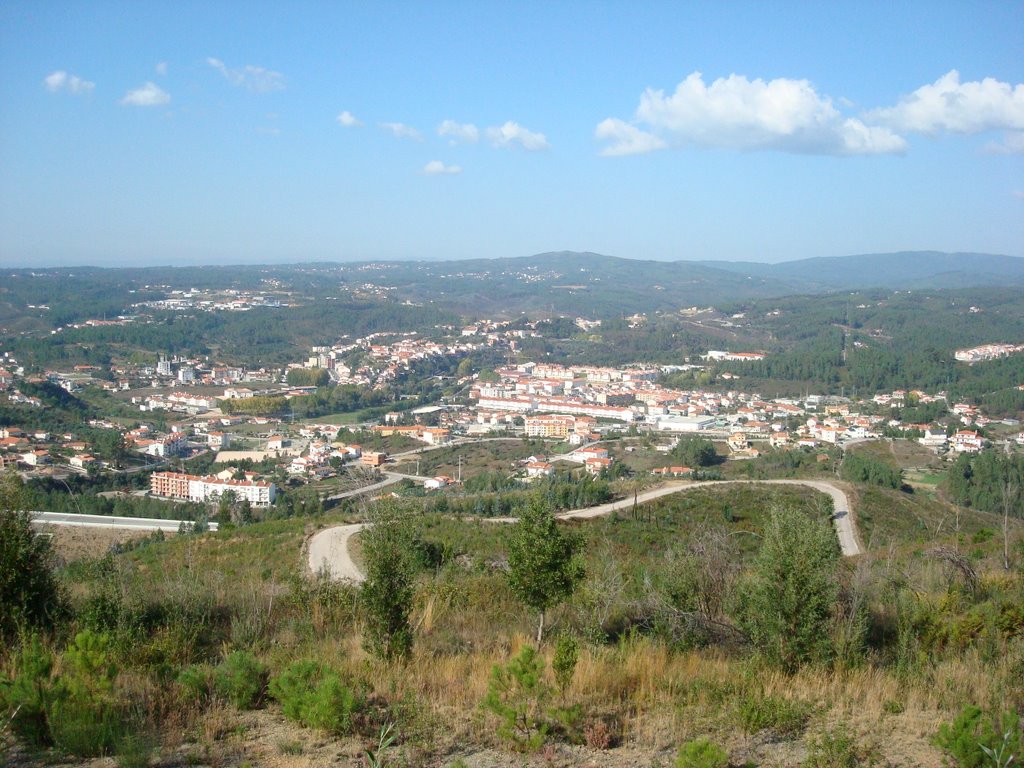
point(685, 423)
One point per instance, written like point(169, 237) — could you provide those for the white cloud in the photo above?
point(256, 79)
point(62, 81)
point(348, 120)
point(161, 68)
point(737, 113)
point(402, 131)
point(1018, 194)
point(437, 168)
point(466, 133)
point(148, 95)
point(626, 139)
point(511, 134)
point(949, 105)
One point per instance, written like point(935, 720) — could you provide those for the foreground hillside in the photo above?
point(188, 631)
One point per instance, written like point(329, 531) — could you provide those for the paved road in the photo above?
point(109, 521)
point(328, 549)
point(390, 479)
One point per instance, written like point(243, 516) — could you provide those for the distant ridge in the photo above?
point(903, 270)
point(584, 283)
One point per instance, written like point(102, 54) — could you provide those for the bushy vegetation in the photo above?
point(859, 468)
point(241, 679)
point(975, 737)
point(654, 637)
point(561, 491)
point(544, 567)
point(786, 604)
point(30, 596)
point(991, 481)
point(387, 593)
point(318, 697)
point(695, 452)
point(702, 753)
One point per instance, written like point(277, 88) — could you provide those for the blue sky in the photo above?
point(247, 132)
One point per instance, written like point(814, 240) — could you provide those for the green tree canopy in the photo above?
point(29, 593)
point(387, 593)
point(545, 565)
point(786, 604)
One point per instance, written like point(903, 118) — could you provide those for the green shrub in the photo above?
point(85, 727)
point(30, 595)
point(838, 748)
point(135, 750)
point(518, 695)
point(29, 694)
point(76, 711)
point(194, 683)
point(241, 679)
point(973, 732)
point(563, 663)
point(787, 717)
point(85, 717)
point(786, 604)
point(702, 753)
point(318, 697)
point(332, 706)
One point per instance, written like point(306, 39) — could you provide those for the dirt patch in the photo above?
point(72, 542)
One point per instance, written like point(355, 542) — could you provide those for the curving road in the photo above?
point(328, 549)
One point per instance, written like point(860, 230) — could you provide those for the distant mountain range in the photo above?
point(905, 270)
point(593, 284)
point(564, 282)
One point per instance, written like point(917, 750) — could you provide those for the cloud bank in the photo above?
point(948, 105)
point(736, 113)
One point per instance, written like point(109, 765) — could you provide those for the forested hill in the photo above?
point(906, 270)
point(569, 283)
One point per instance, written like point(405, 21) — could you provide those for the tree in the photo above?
point(387, 593)
point(225, 506)
point(29, 593)
point(695, 452)
point(786, 605)
point(545, 565)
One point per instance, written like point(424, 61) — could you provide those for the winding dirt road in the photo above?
point(328, 549)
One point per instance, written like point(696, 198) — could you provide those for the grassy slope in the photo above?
point(467, 620)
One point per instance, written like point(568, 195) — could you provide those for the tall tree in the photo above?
point(545, 565)
point(786, 604)
point(387, 593)
point(29, 593)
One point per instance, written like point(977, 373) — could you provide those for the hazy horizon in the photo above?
point(243, 263)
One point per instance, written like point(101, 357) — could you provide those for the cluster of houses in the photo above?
point(38, 448)
point(987, 352)
point(385, 356)
point(228, 300)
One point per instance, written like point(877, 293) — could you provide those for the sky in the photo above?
point(136, 133)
